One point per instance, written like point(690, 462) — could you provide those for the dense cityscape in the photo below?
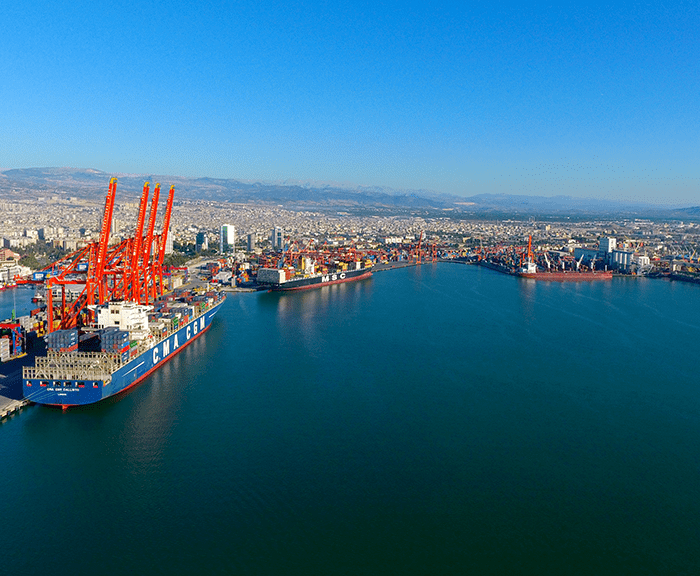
point(68, 223)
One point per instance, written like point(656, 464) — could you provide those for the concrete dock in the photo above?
point(11, 400)
point(10, 405)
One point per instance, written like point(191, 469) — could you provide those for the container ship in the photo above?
point(127, 343)
point(110, 318)
point(307, 276)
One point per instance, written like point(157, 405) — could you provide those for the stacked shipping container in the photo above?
point(115, 341)
point(4, 349)
point(62, 340)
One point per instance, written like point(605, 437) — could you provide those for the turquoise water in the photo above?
point(436, 420)
point(18, 299)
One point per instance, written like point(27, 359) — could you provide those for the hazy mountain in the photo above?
point(692, 211)
point(81, 182)
point(554, 203)
point(311, 195)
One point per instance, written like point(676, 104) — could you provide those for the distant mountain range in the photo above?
point(88, 183)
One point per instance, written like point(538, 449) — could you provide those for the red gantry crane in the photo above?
point(129, 270)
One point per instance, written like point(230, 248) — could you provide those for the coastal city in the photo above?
point(243, 232)
point(130, 281)
point(118, 287)
point(350, 288)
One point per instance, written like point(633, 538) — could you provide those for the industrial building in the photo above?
point(608, 253)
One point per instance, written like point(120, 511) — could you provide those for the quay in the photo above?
point(10, 405)
point(11, 398)
point(394, 264)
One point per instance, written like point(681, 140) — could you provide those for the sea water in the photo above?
point(442, 419)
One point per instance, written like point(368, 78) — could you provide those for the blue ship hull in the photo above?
point(80, 392)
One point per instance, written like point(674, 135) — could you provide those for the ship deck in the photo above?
point(89, 365)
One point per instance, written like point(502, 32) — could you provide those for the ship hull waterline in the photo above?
point(566, 276)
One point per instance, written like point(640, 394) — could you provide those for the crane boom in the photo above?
point(137, 245)
point(164, 236)
point(147, 249)
point(96, 265)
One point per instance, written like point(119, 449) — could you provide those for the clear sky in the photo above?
point(466, 97)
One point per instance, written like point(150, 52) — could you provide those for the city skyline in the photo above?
point(587, 101)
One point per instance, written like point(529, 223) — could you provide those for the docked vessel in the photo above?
point(530, 270)
point(685, 277)
point(127, 343)
point(567, 276)
point(306, 277)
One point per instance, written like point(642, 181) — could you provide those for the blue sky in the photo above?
point(464, 98)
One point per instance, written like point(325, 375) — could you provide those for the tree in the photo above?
point(176, 260)
point(30, 261)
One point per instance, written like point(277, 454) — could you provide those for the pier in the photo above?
point(11, 398)
point(9, 405)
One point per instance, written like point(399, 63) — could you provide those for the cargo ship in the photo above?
point(127, 342)
point(306, 277)
point(530, 270)
point(570, 276)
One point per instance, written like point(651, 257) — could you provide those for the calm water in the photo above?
point(434, 420)
point(18, 299)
